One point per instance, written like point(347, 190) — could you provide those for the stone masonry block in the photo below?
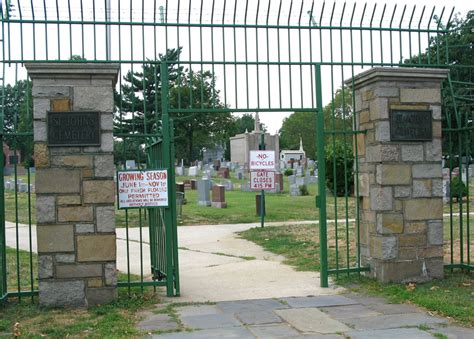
point(398, 271)
point(379, 153)
point(364, 116)
point(85, 228)
point(412, 153)
point(105, 217)
point(41, 155)
point(381, 199)
point(72, 161)
point(402, 191)
point(389, 223)
point(94, 282)
point(45, 209)
point(358, 101)
point(384, 247)
point(50, 91)
point(94, 98)
point(98, 191)
point(382, 131)
point(40, 131)
point(436, 112)
point(386, 92)
point(427, 171)
point(412, 240)
point(360, 143)
point(55, 238)
point(435, 232)
point(96, 248)
point(69, 200)
point(56, 180)
point(40, 107)
point(107, 142)
point(106, 122)
point(65, 258)
point(378, 109)
point(45, 266)
point(61, 105)
point(422, 188)
point(437, 187)
point(75, 213)
point(393, 174)
point(78, 271)
point(415, 227)
point(410, 107)
point(110, 270)
point(433, 150)
point(104, 165)
point(423, 209)
point(425, 95)
point(364, 185)
point(435, 268)
point(101, 296)
point(62, 293)
point(437, 129)
point(430, 252)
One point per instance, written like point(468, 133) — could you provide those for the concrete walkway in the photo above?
point(326, 316)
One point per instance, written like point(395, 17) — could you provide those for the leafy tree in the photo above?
point(18, 118)
point(140, 106)
point(339, 168)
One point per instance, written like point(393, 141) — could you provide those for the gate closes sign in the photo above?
point(262, 180)
point(262, 160)
point(137, 189)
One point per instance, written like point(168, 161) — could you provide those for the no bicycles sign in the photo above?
point(262, 160)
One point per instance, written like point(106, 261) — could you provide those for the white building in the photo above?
point(288, 156)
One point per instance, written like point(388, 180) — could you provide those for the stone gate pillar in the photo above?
point(400, 177)
point(73, 152)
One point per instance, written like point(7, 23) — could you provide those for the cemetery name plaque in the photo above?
point(411, 125)
point(73, 128)
point(136, 189)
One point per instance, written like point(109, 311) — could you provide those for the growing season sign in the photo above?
point(137, 189)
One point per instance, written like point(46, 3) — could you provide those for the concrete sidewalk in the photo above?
point(330, 316)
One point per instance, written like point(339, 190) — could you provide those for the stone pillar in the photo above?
point(400, 177)
point(75, 190)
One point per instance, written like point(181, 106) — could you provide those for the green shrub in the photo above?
point(303, 190)
point(288, 172)
point(458, 188)
point(335, 155)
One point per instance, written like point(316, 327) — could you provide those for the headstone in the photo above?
point(193, 184)
point(294, 190)
point(199, 165)
point(130, 164)
point(229, 186)
point(180, 189)
point(299, 171)
point(218, 197)
point(311, 163)
point(216, 165)
point(240, 175)
point(282, 164)
point(187, 184)
point(193, 171)
point(245, 187)
point(22, 187)
point(8, 185)
point(279, 181)
point(223, 172)
point(204, 196)
point(179, 170)
point(300, 181)
point(292, 179)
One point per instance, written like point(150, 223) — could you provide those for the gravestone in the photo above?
point(179, 170)
point(240, 175)
point(193, 184)
point(75, 189)
point(279, 181)
point(294, 190)
point(311, 163)
point(218, 196)
point(245, 187)
point(229, 186)
point(223, 172)
point(204, 196)
point(180, 189)
point(216, 165)
point(292, 179)
point(193, 171)
point(130, 165)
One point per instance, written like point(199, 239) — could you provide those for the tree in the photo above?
point(245, 122)
point(140, 106)
point(18, 118)
point(337, 117)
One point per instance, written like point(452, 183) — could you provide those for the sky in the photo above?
point(252, 79)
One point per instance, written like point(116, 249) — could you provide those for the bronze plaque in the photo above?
point(407, 125)
point(73, 128)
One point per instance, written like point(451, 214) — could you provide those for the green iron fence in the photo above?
point(185, 58)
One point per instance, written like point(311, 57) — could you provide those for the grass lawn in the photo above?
point(452, 297)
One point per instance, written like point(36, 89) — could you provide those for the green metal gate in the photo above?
point(264, 56)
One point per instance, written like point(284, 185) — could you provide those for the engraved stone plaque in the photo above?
point(73, 128)
point(411, 125)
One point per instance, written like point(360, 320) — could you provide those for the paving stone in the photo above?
point(392, 321)
point(349, 311)
point(198, 310)
point(274, 331)
point(412, 333)
point(157, 322)
point(258, 317)
point(319, 301)
point(209, 321)
point(395, 308)
point(365, 300)
point(311, 320)
point(234, 307)
point(454, 332)
point(233, 332)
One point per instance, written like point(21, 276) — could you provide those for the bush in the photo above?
point(303, 190)
point(335, 158)
point(458, 188)
point(288, 172)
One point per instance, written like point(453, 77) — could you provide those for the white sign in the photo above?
point(137, 189)
point(262, 161)
point(262, 180)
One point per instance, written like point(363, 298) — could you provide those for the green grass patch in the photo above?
point(22, 270)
